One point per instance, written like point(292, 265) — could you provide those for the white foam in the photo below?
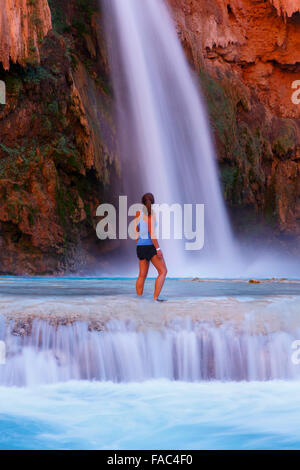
point(152, 415)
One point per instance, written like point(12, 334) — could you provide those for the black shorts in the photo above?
point(146, 251)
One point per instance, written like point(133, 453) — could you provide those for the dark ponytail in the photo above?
point(148, 200)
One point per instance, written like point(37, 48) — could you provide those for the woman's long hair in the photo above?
point(147, 201)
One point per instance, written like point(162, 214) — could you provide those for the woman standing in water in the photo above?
point(148, 248)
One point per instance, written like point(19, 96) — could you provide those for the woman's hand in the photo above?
point(159, 254)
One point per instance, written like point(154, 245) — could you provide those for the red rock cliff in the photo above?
point(248, 52)
point(286, 7)
point(23, 25)
point(57, 142)
point(56, 135)
point(253, 38)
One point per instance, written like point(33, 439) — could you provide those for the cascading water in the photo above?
point(164, 137)
point(88, 365)
point(185, 350)
point(58, 329)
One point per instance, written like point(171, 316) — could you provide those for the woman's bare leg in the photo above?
point(161, 267)
point(144, 267)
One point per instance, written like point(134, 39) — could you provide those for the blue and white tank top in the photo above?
point(144, 235)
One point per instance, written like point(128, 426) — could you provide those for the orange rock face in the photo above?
point(286, 7)
point(249, 52)
point(56, 139)
point(23, 24)
point(259, 41)
point(57, 149)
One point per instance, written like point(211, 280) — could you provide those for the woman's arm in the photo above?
point(136, 227)
point(151, 229)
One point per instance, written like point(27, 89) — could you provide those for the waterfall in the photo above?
point(183, 350)
point(165, 145)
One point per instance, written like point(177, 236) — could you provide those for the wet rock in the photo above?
point(247, 54)
point(23, 24)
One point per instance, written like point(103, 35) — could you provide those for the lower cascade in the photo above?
point(183, 350)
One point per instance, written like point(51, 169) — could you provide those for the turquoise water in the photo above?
point(173, 288)
point(153, 413)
